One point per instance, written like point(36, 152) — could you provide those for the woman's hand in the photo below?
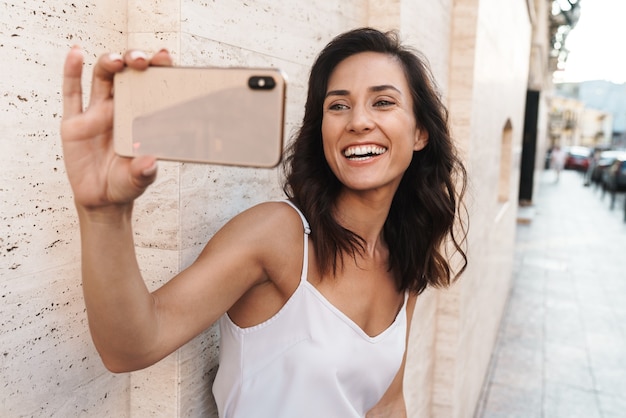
point(100, 178)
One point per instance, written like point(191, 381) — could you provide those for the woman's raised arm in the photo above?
point(131, 327)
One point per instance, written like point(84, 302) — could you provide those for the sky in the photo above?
point(596, 43)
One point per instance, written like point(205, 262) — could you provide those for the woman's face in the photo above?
point(369, 131)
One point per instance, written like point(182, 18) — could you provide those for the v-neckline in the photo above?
point(349, 321)
point(304, 281)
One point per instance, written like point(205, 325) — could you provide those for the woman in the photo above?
point(313, 320)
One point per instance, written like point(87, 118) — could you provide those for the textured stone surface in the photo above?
point(48, 365)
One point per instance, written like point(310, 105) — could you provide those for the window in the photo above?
point(504, 182)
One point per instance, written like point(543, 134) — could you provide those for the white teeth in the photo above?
point(364, 151)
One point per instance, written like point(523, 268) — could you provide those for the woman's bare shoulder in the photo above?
point(266, 227)
point(276, 216)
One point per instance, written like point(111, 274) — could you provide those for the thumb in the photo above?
point(143, 171)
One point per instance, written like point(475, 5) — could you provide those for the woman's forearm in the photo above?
point(121, 310)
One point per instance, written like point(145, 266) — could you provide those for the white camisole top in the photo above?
point(309, 360)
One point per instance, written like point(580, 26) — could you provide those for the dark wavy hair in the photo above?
point(428, 202)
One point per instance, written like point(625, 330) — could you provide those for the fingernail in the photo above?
point(115, 57)
point(77, 48)
point(138, 55)
point(148, 172)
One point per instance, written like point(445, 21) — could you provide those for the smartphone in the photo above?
point(226, 116)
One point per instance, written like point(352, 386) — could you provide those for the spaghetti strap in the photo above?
point(305, 223)
point(307, 231)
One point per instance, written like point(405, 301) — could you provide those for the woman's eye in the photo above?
point(383, 103)
point(337, 106)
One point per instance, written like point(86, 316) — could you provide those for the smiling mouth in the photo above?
point(363, 152)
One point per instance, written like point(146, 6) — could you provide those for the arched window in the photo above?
point(506, 157)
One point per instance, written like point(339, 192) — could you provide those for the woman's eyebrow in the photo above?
point(337, 93)
point(382, 87)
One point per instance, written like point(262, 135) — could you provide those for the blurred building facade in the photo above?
point(488, 60)
point(602, 110)
point(572, 123)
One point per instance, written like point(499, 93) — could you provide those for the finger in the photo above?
point(72, 88)
point(143, 171)
point(103, 73)
point(136, 59)
point(162, 59)
point(93, 123)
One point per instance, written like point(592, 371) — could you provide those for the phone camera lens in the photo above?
point(261, 83)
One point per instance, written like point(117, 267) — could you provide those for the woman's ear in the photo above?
point(421, 139)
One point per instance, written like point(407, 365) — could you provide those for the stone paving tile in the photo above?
point(507, 402)
point(610, 381)
point(612, 406)
point(564, 401)
point(568, 364)
point(561, 349)
point(519, 368)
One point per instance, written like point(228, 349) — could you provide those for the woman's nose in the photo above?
point(360, 120)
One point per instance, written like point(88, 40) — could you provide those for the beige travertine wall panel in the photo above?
point(427, 26)
point(153, 17)
point(288, 30)
point(48, 366)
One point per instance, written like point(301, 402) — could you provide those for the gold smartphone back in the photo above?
point(227, 116)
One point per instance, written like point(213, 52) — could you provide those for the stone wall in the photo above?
point(48, 366)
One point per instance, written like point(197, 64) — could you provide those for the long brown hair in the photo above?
point(427, 203)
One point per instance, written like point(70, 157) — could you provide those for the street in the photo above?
point(561, 348)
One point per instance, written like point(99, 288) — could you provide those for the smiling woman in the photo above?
point(313, 295)
point(368, 106)
point(427, 193)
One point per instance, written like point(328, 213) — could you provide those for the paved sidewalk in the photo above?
point(561, 349)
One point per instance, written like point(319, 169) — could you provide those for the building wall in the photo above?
point(566, 118)
point(595, 127)
point(490, 62)
point(540, 79)
point(48, 366)
point(602, 96)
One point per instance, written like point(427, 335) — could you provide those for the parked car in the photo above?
point(605, 160)
point(616, 175)
point(577, 158)
point(600, 174)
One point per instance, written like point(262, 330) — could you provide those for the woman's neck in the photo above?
point(365, 215)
